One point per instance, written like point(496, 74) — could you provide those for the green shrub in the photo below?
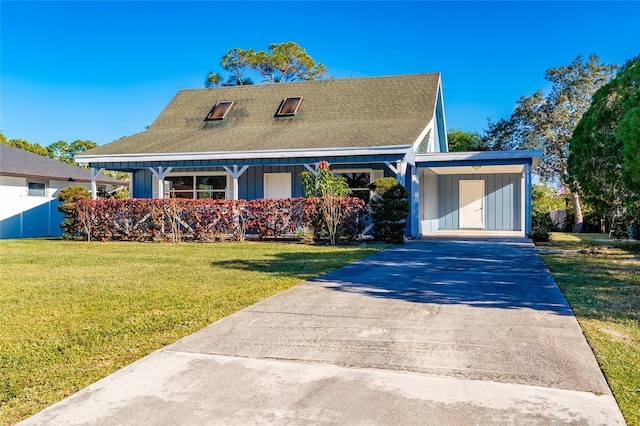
point(390, 207)
point(541, 228)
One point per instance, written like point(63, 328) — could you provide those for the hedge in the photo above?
point(201, 220)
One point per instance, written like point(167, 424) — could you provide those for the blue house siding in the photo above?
point(502, 205)
point(142, 184)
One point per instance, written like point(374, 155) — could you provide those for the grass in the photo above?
point(601, 281)
point(74, 312)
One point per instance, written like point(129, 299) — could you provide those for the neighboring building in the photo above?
point(253, 142)
point(29, 185)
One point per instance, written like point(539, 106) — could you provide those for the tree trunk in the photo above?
point(577, 211)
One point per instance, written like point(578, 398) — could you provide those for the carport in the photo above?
point(475, 193)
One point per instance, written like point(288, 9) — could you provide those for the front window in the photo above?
point(196, 187)
point(358, 182)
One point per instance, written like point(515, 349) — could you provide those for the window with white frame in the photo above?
point(195, 186)
point(36, 189)
point(359, 180)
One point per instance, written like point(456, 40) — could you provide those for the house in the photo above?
point(29, 185)
point(248, 142)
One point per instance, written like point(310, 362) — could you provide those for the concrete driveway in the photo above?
point(433, 332)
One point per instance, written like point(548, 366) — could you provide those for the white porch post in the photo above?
point(160, 174)
point(131, 185)
point(527, 199)
point(94, 176)
point(235, 174)
point(414, 193)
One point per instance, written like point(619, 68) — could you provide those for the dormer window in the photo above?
point(220, 110)
point(289, 107)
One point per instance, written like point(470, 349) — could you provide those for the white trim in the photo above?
point(228, 155)
point(235, 173)
point(422, 135)
point(444, 118)
point(391, 167)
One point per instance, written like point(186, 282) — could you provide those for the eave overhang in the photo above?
point(243, 155)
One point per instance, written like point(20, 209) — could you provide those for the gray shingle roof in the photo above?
point(364, 112)
point(18, 162)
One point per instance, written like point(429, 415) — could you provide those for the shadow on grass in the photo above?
point(477, 273)
point(600, 286)
point(296, 264)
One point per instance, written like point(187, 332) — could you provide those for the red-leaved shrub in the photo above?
point(203, 220)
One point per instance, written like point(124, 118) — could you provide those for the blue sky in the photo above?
point(102, 70)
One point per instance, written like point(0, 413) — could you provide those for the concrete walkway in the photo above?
point(433, 332)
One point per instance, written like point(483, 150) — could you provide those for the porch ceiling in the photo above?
point(469, 170)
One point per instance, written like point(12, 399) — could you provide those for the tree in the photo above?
point(461, 141)
point(284, 62)
point(629, 133)
point(546, 198)
point(602, 157)
point(547, 122)
point(60, 151)
point(66, 152)
point(236, 61)
point(36, 148)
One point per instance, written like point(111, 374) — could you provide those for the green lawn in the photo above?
point(74, 312)
point(602, 285)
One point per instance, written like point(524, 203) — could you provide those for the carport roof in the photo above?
point(455, 161)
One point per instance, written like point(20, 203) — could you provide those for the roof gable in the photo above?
point(347, 113)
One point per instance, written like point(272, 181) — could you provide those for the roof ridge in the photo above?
point(324, 80)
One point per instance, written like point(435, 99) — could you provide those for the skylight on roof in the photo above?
point(289, 107)
point(219, 111)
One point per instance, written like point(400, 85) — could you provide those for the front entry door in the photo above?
point(471, 204)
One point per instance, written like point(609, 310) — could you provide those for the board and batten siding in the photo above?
point(502, 201)
point(142, 184)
